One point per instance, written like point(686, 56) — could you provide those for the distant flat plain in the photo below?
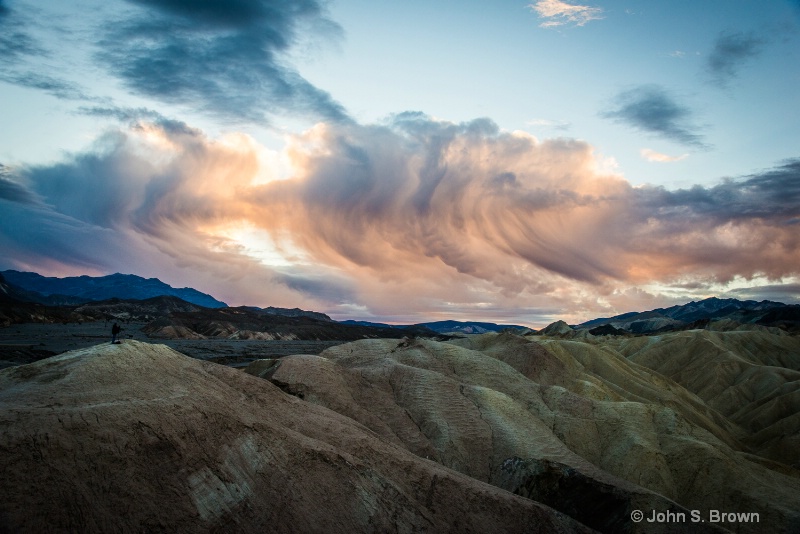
point(28, 342)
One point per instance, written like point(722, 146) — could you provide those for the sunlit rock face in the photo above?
point(693, 420)
point(137, 437)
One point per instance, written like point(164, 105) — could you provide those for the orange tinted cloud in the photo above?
point(413, 218)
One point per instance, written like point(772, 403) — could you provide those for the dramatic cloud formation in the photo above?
point(731, 50)
point(416, 214)
point(652, 109)
point(224, 57)
point(652, 155)
point(560, 13)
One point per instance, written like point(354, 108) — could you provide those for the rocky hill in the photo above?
point(136, 437)
point(694, 420)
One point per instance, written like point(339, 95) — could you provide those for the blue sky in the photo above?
point(410, 161)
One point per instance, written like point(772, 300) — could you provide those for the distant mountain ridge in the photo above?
point(86, 295)
point(447, 327)
point(74, 290)
point(765, 313)
point(289, 312)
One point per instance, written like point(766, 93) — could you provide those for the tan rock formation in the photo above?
point(136, 437)
point(752, 377)
point(473, 404)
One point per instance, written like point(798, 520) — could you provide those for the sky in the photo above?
point(401, 162)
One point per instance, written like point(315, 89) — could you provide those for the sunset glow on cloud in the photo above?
point(461, 213)
point(402, 219)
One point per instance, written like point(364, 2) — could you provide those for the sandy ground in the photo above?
point(25, 343)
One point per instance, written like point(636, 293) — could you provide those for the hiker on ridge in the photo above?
point(115, 330)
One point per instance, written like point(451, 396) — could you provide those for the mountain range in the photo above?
point(82, 289)
point(451, 327)
point(89, 295)
point(701, 313)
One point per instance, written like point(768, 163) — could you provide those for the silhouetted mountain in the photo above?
point(702, 314)
point(81, 289)
point(16, 307)
point(289, 312)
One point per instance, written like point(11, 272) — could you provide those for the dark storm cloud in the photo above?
point(731, 51)
point(225, 57)
point(330, 288)
point(652, 109)
point(772, 195)
point(785, 293)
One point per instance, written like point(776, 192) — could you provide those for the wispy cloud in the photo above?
point(652, 155)
point(549, 124)
point(57, 87)
point(731, 51)
point(225, 58)
point(22, 55)
point(15, 41)
point(651, 108)
point(408, 215)
point(558, 13)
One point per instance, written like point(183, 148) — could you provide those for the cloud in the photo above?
point(21, 57)
point(12, 191)
point(731, 51)
point(122, 114)
point(652, 155)
point(549, 123)
point(57, 87)
point(224, 58)
point(788, 293)
point(15, 41)
point(558, 13)
point(413, 216)
point(652, 109)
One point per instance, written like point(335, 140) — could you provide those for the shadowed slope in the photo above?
point(137, 437)
point(752, 378)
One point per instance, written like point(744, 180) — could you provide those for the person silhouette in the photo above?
point(115, 330)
